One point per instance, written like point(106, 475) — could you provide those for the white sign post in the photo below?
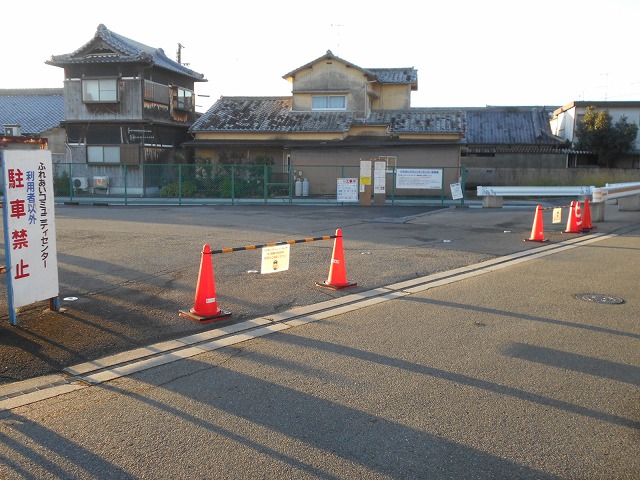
point(29, 229)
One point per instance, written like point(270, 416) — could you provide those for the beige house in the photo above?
point(338, 115)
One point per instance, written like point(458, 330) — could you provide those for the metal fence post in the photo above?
point(70, 182)
point(179, 184)
point(264, 183)
point(233, 183)
point(126, 196)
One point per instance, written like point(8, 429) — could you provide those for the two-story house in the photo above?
point(566, 119)
point(127, 108)
point(340, 114)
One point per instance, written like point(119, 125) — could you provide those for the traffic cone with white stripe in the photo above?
point(337, 271)
point(205, 308)
point(537, 230)
point(574, 222)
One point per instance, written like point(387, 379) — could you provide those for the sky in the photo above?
point(468, 53)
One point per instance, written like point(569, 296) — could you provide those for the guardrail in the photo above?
point(500, 191)
point(617, 190)
point(611, 191)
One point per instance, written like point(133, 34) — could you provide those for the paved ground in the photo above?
point(495, 370)
point(125, 272)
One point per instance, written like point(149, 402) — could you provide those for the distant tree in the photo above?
point(597, 134)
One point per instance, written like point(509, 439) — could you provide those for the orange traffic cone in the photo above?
point(587, 225)
point(205, 308)
point(574, 222)
point(337, 272)
point(537, 230)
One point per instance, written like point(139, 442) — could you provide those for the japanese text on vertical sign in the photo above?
point(29, 221)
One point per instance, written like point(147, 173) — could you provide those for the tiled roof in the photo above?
point(384, 75)
point(418, 120)
point(269, 115)
point(475, 126)
point(109, 47)
point(509, 125)
point(395, 75)
point(35, 110)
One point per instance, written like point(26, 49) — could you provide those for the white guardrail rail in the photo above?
point(533, 191)
point(609, 192)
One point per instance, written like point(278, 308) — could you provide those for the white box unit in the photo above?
point(100, 183)
point(80, 183)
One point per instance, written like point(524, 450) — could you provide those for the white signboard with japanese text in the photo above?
point(275, 259)
point(365, 172)
point(29, 226)
point(347, 190)
point(419, 178)
point(379, 178)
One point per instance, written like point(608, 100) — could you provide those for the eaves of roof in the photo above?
point(349, 142)
point(125, 50)
point(474, 126)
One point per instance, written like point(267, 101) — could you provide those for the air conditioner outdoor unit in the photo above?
point(100, 183)
point(80, 183)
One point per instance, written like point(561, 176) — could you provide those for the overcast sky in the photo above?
point(467, 53)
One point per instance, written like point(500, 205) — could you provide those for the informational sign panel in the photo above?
point(419, 178)
point(275, 259)
point(379, 178)
point(29, 227)
point(347, 190)
point(557, 215)
point(365, 172)
point(456, 191)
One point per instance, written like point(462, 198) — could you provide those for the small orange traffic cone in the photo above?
point(205, 308)
point(574, 222)
point(337, 271)
point(587, 225)
point(537, 230)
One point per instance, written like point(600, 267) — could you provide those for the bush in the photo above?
point(171, 190)
point(61, 184)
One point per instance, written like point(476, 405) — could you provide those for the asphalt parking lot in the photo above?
point(126, 271)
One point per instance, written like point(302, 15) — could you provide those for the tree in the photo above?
point(597, 134)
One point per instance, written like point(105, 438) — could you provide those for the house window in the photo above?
point(102, 154)
point(100, 90)
point(328, 102)
point(184, 99)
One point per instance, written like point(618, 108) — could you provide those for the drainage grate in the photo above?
point(599, 298)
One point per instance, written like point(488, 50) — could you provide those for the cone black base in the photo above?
point(335, 287)
point(198, 318)
point(533, 240)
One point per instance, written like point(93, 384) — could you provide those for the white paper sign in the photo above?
point(456, 191)
point(30, 230)
point(419, 178)
point(380, 178)
point(275, 259)
point(347, 190)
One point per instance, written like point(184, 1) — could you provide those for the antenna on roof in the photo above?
point(338, 26)
point(179, 55)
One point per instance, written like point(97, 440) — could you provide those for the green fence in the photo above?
point(201, 184)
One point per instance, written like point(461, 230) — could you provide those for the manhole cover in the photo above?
point(599, 298)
